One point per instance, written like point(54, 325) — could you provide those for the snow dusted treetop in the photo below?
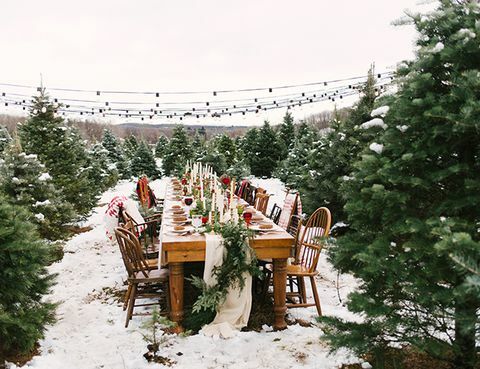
point(24, 180)
point(62, 151)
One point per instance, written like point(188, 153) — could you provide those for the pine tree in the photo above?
point(115, 153)
point(286, 134)
point(102, 171)
point(144, 162)
point(130, 146)
point(265, 153)
point(62, 151)
point(5, 139)
point(177, 152)
point(24, 282)
point(161, 146)
point(331, 160)
point(215, 159)
point(199, 147)
point(226, 146)
point(25, 182)
point(292, 169)
point(413, 202)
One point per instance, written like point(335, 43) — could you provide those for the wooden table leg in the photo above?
point(176, 293)
point(279, 292)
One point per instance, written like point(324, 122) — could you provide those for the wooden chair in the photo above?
point(261, 202)
point(249, 194)
point(147, 232)
point(289, 209)
point(150, 257)
point(310, 244)
point(143, 282)
point(294, 229)
point(275, 213)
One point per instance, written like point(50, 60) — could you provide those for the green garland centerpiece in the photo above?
point(238, 259)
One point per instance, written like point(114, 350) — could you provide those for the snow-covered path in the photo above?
point(90, 330)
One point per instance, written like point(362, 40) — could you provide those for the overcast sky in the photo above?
point(207, 45)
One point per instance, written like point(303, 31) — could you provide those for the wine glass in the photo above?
point(197, 221)
point(248, 217)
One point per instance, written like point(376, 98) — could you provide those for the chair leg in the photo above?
point(302, 289)
point(131, 304)
point(315, 296)
point(127, 297)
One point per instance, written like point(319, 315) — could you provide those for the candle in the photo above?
point(213, 202)
point(231, 193)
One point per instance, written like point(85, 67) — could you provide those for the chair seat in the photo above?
point(300, 270)
point(154, 276)
point(152, 263)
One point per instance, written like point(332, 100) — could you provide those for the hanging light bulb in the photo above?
point(44, 109)
point(35, 111)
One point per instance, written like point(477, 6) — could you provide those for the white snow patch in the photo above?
point(42, 203)
point(438, 47)
point(466, 33)
point(375, 122)
point(45, 177)
point(402, 128)
point(15, 180)
point(381, 111)
point(376, 147)
point(40, 217)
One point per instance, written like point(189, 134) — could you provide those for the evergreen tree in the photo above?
point(24, 282)
point(199, 147)
point(25, 182)
point(248, 144)
point(177, 153)
point(413, 202)
point(144, 162)
point(62, 151)
point(161, 146)
point(291, 170)
point(266, 152)
point(116, 154)
point(130, 146)
point(226, 146)
point(286, 134)
point(5, 139)
point(215, 159)
point(102, 171)
point(331, 160)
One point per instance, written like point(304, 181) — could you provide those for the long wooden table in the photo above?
point(177, 250)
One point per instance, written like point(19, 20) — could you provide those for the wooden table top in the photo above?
point(277, 238)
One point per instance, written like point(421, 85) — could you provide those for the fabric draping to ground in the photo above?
point(233, 314)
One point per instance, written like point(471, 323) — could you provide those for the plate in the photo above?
point(257, 228)
point(187, 229)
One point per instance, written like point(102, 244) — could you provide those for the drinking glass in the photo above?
point(248, 217)
point(197, 221)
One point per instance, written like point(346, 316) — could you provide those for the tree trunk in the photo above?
point(465, 321)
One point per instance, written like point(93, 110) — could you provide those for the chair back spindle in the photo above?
point(311, 243)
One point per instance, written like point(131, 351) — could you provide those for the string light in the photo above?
point(267, 103)
point(157, 94)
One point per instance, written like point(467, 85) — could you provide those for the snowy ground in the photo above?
point(90, 330)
